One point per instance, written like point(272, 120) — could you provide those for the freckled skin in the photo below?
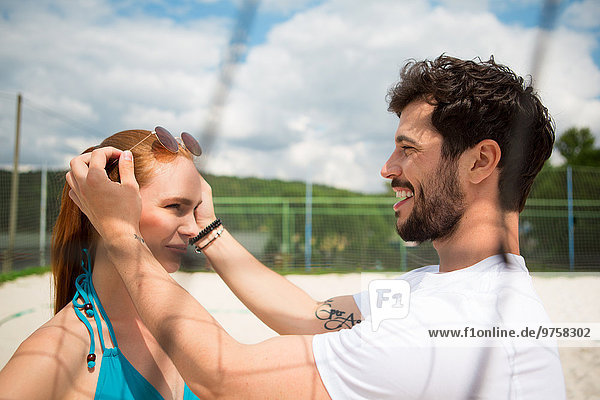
point(165, 222)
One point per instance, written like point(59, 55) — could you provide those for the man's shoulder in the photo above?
point(418, 272)
point(425, 268)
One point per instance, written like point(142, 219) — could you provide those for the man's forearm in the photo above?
point(212, 363)
point(168, 310)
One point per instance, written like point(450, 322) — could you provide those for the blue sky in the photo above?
point(526, 13)
point(308, 98)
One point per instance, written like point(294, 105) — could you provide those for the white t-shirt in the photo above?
point(401, 359)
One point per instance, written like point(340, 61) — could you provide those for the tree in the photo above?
point(576, 145)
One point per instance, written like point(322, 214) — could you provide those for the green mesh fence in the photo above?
point(349, 231)
point(545, 238)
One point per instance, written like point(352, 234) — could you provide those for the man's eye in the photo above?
point(407, 149)
point(174, 205)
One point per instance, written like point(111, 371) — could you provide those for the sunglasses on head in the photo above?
point(169, 142)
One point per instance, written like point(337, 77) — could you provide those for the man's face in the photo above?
point(431, 201)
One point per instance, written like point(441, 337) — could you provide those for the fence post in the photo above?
point(14, 197)
point(43, 207)
point(403, 255)
point(571, 218)
point(292, 235)
point(285, 226)
point(308, 226)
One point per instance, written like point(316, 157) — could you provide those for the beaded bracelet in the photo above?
point(214, 236)
point(211, 227)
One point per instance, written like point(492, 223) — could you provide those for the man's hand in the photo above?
point(113, 208)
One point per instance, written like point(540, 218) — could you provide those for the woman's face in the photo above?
point(169, 201)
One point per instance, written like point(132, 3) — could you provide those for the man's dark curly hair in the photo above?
point(477, 100)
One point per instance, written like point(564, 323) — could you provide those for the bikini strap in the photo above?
point(86, 299)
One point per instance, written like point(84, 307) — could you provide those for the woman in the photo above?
point(96, 346)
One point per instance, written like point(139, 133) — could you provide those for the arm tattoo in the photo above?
point(334, 319)
point(141, 239)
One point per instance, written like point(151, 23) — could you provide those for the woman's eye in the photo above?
point(174, 205)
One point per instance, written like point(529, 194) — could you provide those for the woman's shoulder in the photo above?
point(48, 360)
point(64, 331)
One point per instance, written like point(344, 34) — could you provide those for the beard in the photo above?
point(435, 214)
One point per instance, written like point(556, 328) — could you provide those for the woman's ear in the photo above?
point(483, 160)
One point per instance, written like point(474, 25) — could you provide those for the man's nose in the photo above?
point(391, 168)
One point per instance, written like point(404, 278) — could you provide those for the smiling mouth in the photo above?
point(403, 196)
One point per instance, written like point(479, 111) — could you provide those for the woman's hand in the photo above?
point(205, 213)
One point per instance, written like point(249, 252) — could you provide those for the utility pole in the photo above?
point(43, 209)
point(14, 198)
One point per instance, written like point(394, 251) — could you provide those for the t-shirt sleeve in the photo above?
point(362, 302)
point(400, 360)
point(357, 364)
point(362, 298)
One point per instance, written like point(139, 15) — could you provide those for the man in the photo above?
point(470, 140)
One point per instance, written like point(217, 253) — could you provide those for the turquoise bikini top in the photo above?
point(118, 379)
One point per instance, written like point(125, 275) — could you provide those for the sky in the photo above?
point(308, 99)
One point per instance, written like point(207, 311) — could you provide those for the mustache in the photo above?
point(398, 182)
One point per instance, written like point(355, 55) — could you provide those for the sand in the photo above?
point(25, 304)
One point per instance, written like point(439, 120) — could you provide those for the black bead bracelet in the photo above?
point(211, 227)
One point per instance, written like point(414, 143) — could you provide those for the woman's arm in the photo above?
point(276, 301)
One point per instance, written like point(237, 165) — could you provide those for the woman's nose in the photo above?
point(189, 227)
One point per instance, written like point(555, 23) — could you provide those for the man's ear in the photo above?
point(483, 160)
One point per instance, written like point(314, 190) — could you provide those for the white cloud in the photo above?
point(111, 72)
point(311, 99)
point(320, 80)
point(462, 5)
point(583, 14)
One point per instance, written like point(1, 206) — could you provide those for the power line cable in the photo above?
point(88, 130)
point(36, 106)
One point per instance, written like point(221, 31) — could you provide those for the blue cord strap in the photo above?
point(86, 299)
